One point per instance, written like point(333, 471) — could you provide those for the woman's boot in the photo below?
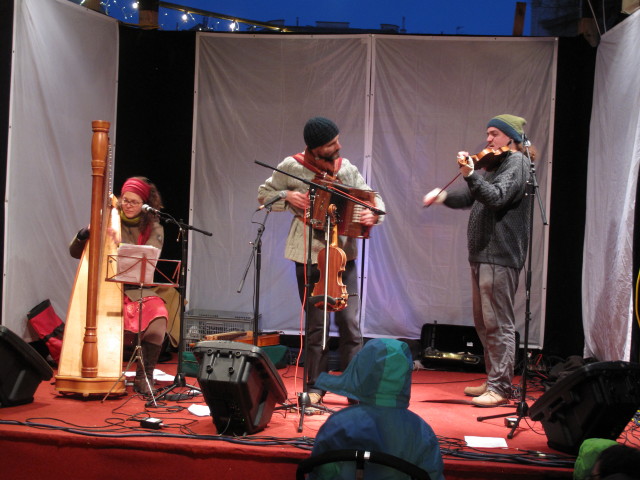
point(143, 382)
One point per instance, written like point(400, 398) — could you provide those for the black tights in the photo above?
point(155, 332)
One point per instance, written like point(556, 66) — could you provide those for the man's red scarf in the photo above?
point(301, 159)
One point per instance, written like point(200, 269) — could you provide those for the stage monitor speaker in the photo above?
point(596, 401)
point(22, 369)
point(240, 385)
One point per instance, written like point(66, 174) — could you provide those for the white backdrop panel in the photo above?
point(433, 96)
point(614, 154)
point(64, 76)
point(254, 95)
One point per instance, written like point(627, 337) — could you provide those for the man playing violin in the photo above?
point(320, 159)
point(497, 238)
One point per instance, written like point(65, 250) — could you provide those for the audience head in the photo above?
point(379, 374)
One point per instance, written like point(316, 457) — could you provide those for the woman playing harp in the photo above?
point(138, 227)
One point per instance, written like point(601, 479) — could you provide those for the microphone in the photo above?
point(280, 196)
point(525, 141)
point(149, 209)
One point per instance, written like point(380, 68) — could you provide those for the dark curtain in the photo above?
point(155, 116)
point(564, 334)
point(6, 45)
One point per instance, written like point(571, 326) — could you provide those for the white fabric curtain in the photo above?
point(614, 153)
point(434, 97)
point(405, 106)
point(254, 94)
point(64, 77)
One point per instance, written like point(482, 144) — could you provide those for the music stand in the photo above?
point(142, 269)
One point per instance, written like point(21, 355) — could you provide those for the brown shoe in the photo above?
point(475, 391)
point(489, 399)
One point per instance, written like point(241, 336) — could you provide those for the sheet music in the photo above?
point(130, 261)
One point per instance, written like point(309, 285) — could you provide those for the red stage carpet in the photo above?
point(59, 436)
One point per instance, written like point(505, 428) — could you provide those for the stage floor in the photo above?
point(58, 434)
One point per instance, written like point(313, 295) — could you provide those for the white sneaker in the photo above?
point(475, 391)
point(489, 399)
point(315, 398)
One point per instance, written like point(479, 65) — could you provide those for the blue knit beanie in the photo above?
point(319, 131)
point(510, 125)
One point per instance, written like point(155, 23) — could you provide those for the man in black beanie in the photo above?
point(498, 238)
point(321, 158)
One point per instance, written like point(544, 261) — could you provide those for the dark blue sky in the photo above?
point(451, 17)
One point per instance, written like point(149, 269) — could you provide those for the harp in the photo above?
point(91, 356)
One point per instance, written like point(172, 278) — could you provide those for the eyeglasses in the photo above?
point(133, 203)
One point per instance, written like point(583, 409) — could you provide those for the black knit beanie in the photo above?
point(319, 131)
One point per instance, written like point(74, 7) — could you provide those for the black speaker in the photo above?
point(240, 385)
point(22, 369)
point(451, 338)
point(596, 401)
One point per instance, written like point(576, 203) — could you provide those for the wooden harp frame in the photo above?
point(91, 356)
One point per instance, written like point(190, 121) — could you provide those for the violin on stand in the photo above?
point(329, 293)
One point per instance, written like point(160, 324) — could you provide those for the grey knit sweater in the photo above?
point(498, 231)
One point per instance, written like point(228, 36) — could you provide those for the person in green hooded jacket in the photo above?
point(379, 379)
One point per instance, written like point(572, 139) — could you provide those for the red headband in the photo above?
point(139, 187)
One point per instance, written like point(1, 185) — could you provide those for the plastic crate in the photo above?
point(199, 323)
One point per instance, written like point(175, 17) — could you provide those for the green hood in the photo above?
point(380, 374)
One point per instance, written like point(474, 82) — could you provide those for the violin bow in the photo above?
point(443, 189)
point(474, 158)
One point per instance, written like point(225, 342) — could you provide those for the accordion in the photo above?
point(348, 213)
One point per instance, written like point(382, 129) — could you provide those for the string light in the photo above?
point(125, 13)
point(128, 11)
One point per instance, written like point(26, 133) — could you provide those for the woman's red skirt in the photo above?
point(152, 308)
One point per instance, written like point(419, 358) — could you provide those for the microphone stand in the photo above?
point(179, 380)
point(522, 409)
point(303, 397)
point(256, 254)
